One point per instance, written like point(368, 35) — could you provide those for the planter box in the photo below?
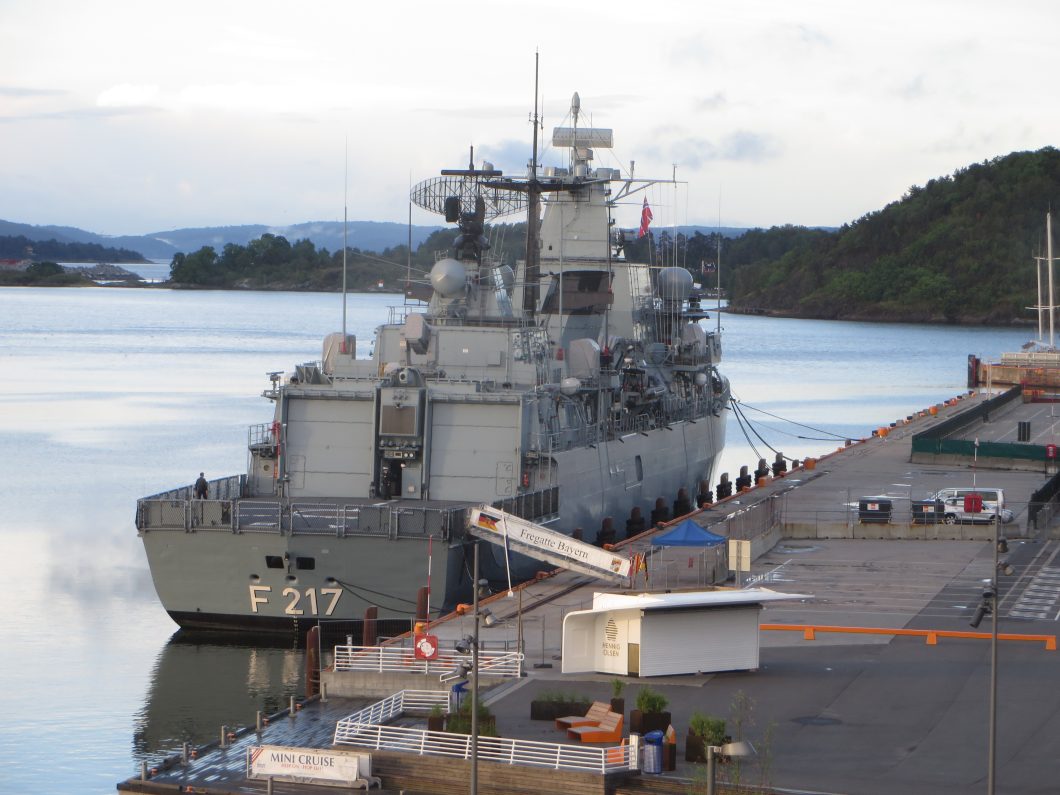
point(550, 710)
point(462, 724)
point(695, 748)
point(644, 722)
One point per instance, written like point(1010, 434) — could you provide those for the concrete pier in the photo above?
point(843, 713)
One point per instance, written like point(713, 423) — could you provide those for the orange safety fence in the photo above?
point(809, 632)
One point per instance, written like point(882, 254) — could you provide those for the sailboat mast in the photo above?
point(1040, 305)
point(1049, 265)
point(532, 268)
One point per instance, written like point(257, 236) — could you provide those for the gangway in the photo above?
point(515, 533)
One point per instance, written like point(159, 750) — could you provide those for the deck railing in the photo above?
point(366, 729)
point(502, 750)
point(177, 510)
point(397, 659)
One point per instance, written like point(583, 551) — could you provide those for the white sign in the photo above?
point(307, 765)
point(548, 545)
point(739, 555)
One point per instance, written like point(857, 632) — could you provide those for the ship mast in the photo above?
point(532, 267)
point(345, 212)
point(1050, 305)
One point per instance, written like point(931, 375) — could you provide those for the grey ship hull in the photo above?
point(217, 577)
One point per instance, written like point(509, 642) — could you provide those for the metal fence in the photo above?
point(366, 729)
point(399, 659)
point(181, 512)
point(891, 515)
point(502, 750)
point(687, 567)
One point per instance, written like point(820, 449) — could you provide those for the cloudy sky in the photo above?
point(127, 117)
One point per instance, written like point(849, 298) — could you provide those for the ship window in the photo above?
point(398, 420)
point(274, 561)
point(640, 468)
point(305, 563)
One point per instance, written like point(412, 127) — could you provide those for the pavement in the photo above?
point(850, 714)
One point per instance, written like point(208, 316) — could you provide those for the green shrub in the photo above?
point(617, 687)
point(649, 700)
point(562, 697)
point(711, 730)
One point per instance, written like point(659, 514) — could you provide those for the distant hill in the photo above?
point(959, 249)
point(365, 235)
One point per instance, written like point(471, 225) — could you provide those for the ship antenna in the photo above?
point(408, 260)
point(717, 270)
point(345, 205)
point(532, 273)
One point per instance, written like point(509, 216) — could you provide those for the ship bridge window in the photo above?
point(274, 561)
point(306, 564)
point(583, 293)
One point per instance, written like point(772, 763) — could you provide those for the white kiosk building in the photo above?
point(660, 634)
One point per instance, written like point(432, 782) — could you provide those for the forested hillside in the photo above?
point(959, 249)
point(21, 247)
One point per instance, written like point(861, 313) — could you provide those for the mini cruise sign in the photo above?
point(496, 526)
point(308, 765)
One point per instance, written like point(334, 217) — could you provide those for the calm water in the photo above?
point(109, 395)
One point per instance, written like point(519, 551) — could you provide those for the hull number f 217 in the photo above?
point(297, 602)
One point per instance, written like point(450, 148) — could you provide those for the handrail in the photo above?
point(402, 659)
point(366, 729)
point(277, 516)
point(931, 636)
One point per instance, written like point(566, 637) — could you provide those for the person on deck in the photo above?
point(202, 488)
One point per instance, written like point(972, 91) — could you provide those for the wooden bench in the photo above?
point(591, 718)
point(608, 731)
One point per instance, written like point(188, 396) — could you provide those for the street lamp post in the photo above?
point(474, 675)
point(990, 605)
point(739, 748)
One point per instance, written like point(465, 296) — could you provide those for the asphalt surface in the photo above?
point(873, 714)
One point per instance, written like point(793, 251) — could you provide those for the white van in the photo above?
point(952, 500)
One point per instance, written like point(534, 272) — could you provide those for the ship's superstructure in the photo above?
point(569, 390)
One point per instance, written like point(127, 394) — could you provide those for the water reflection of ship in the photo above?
point(200, 683)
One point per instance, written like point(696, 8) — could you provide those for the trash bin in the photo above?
point(928, 511)
point(653, 742)
point(874, 509)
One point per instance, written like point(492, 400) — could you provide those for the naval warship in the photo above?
point(569, 390)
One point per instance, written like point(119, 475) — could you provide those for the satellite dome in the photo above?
point(448, 277)
point(570, 385)
point(673, 284)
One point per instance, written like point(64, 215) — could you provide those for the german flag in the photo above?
point(487, 521)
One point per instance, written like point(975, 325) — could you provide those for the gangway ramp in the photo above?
point(515, 533)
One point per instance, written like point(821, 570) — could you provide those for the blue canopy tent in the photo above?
point(687, 534)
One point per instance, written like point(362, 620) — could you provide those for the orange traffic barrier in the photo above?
point(931, 636)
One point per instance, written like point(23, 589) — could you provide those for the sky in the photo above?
point(129, 117)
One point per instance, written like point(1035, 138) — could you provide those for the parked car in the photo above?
point(953, 503)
